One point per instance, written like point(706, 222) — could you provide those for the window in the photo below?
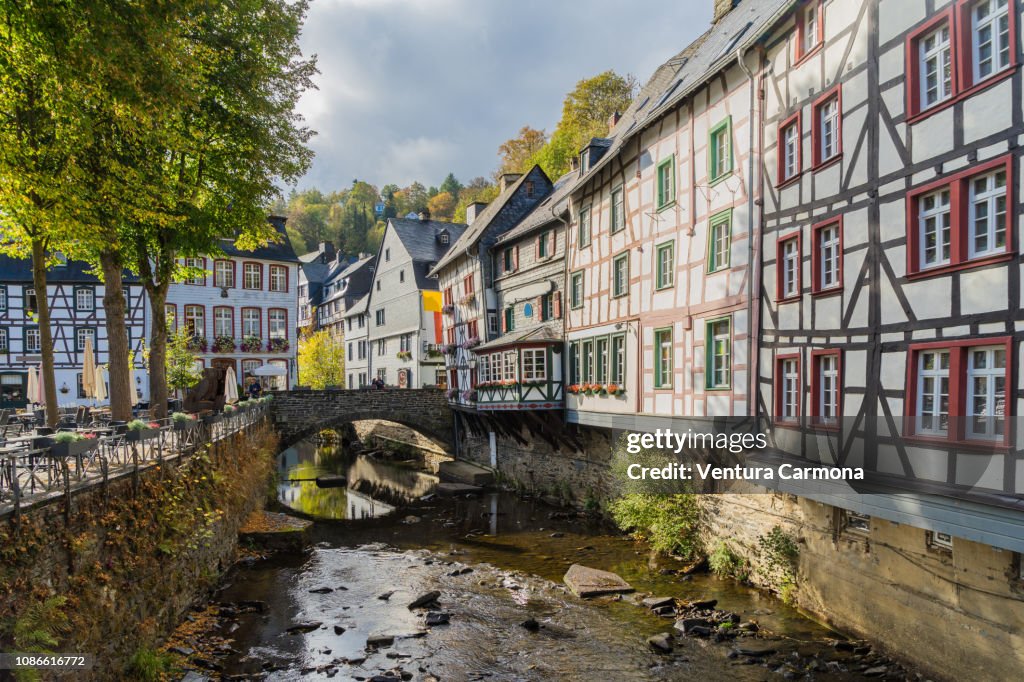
point(719, 238)
point(277, 323)
point(195, 320)
point(933, 392)
point(618, 359)
point(492, 323)
point(574, 362)
point(719, 353)
point(543, 245)
point(3, 341)
point(588, 360)
point(382, 346)
point(468, 285)
point(620, 275)
point(278, 278)
point(535, 364)
point(855, 522)
point(33, 343)
point(790, 156)
point(936, 67)
point(3, 298)
point(583, 235)
point(387, 255)
point(200, 264)
point(510, 319)
point(827, 133)
point(576, 294)
point(990, 38)
point(171, 315)
point(82, 334)
point(380, 317)
point(826, 388)
point(618, 210)
point(510, 259)
point(378, 284)
point(30, 300)
point(443, 237)
point(223, 322)
point(809, 29)
point(940, 541)
point(666, 182)
point(84, 299)
point(510, 365)
point(720, 150)
point(361, 349)
point(251, 322)
point(665, 265)
point(787, 388)
point(788, 273)
point(986, 392)
point(601, 356)
point(961, 220)
point(223, 274)
point(663, 358)
point(547, 307)
point(252, 276)
point(249, 366)
point(828, 257)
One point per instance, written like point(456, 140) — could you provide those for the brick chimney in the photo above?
point(473, 210)
point(613, 119)
point(509, 179)
point(722, 7)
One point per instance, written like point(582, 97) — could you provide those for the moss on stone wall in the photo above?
point(133, 558)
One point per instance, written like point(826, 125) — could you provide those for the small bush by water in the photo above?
point(670, 523)
point(726, 563)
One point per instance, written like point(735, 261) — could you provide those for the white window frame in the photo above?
point(790, 267)
point(278, 278)
point(997, 24)
point(219, 319)
point(510, 365)
point(721, 239)
point(281, 323)
point(223, 271)
point(254, 318)
point(828, 245)
point(790, 394)
point(994, 424)
point(620, 275)
point(664, 347)
point(91, 302)
point(190, 322)
point(535, 364)
point(811, 18)
point(584, 228)
point(4, 344)
point(617, 367)
point(935, 376)
point(484, 367)
point(35, 346)
point(992, 200)
point(936, 59)
point(829, 115)
point(252, 273)
point(828, 388)
point(618, 206)
point(576, 296)
point(790, 151)
point(937, 221)
point(721, 363)
point(666, 266)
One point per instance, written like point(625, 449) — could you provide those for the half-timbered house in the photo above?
point(75, 296)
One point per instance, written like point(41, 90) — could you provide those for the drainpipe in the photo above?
point(754, 232)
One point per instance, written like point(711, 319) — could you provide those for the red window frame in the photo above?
point(959, 249)
point(957, 391)
point(191, 283)
point(229, 309)
point(177, 319)
point(816, 288)
point(467, 284)
point(184, 318)
point(282, 310)
point(780, 388)
point(798, 54)
point(472, 330)
point(794, 120)
point(448, 296)
point(780, 275)
point(259, 267)
point(836, 93)
point(815, 412)
point(259, 317)
point(234, 280)
point(962, 84)
point(270, 279)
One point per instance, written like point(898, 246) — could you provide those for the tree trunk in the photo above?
point(158, 350)
point(45, 334)
point(117, 338)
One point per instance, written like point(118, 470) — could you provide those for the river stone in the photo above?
point(661, 642)
point(308, 626)
point(338, 630)
point(380, 640)
point(591, 582)
point(702, 604)
point(437, 618)
point(686, 625)
point(385, 596)
point(876, 672)
point(757, 647)
point(657, 602)
point(321, 590)
point(424, 599)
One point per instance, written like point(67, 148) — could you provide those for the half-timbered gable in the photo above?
point(75, 296)
point(891, 283)
point(467, 273)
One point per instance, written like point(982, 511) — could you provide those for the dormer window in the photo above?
point(61, 258)
point(443, 237)
point(583, 161)
point(529, 188)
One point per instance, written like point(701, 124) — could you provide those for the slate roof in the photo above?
point(541, 333)
point(480, 223)
point(343, 270)
point(689, 69)
point(420, 239)
point(543, 213)
point(279, 251)
point(358, 307)
point(76, 271)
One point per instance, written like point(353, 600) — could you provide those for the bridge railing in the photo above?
point(46, 470)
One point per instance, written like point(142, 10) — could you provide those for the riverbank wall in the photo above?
point(952, 607)
point(113, 569)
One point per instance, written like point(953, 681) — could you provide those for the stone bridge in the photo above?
point(303, 413)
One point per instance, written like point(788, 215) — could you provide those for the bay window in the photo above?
point(534, 364)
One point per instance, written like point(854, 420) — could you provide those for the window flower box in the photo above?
point(404, 355)
point(448, 309)
point(197, 344)
point(468, 299)
point(451, 393)
point(615, 389)
point(449, 349)
point(471, 342)
point(183, 421)
point(223, 344)
point(139, 430)
point(277, 345)
point(575, 389)
point(68, 444)
point(469, 395)
point(252, 344)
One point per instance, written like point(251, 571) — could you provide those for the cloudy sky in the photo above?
point(412, 89)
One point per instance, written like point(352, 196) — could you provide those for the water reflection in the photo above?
point(374, 488)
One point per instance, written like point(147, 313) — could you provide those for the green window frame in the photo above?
point(547, 308)
point(620, 275)
point(574, 362)
point(719, 241)
point(542, 244)
point(665, 256)
point(601, 356)
point(618, 222)
point(588, 361)
point(618, 359)
point(506, 256)
point(667, 182)
point(576, 291)
point(718, 350)
point(663, 350)
point(720, 150)
point(510, 319)
point(583, 233)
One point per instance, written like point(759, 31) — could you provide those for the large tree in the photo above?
point(321, 361)
point(517, 153)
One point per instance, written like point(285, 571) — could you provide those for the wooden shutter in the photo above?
point(515, 257)
point(556, 305)
point(504, 321)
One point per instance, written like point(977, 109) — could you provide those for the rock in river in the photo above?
point(591, 582)
point(308, 626)
point(661, 642)
point(424, 599)
point(437, 618)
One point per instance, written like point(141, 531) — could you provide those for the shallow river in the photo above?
point(497, 561)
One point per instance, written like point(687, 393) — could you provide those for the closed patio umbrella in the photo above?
point(230, 387)
point(88, 370)
point(101, 385)
point(33, 386)
point(40, 387)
